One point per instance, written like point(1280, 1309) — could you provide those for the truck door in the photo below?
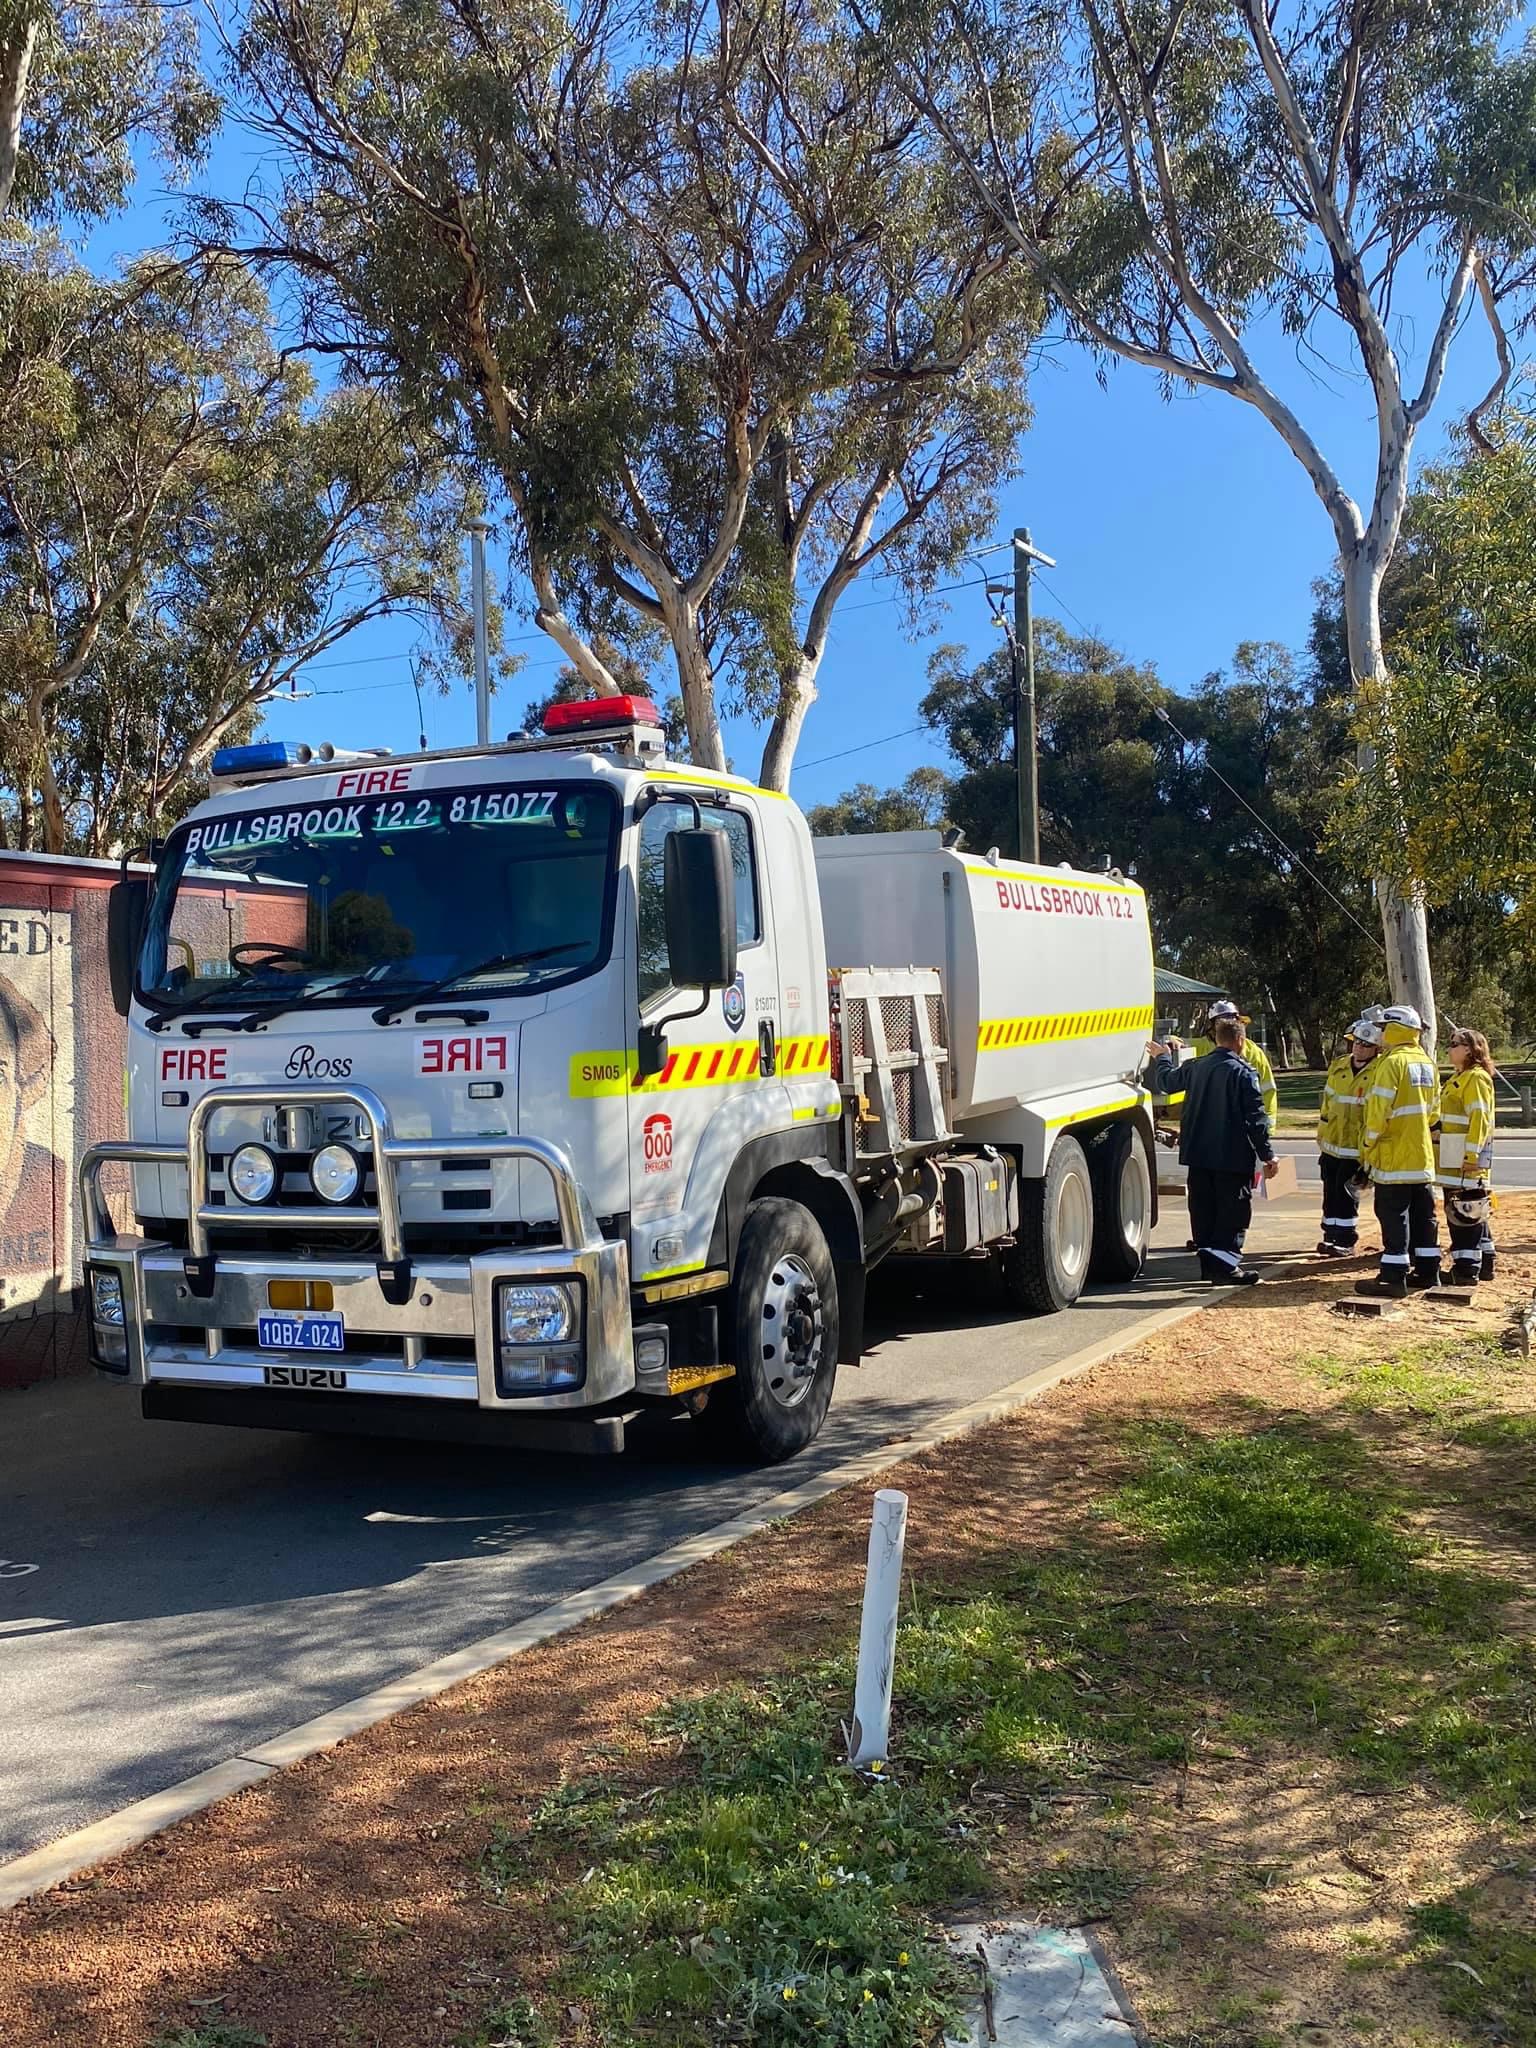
point(688, 1122)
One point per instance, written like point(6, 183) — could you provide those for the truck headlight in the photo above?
point(108, 1339)
point(539, 1312)
point(538, 1337)
point(106, 1296)
point(253, 1174)
point(335, 1173)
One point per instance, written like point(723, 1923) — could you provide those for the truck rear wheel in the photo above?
point(1122, 1203)
point(785, 1331)
point(1048, 1266)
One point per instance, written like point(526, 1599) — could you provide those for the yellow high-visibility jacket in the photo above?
point(1258, 1059)
point(1404, 1094)
point(1464, 1146)
point(1341, 1120)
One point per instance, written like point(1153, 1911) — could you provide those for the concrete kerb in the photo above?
point(73, 1854)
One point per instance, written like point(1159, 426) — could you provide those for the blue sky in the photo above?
point(1180, 527)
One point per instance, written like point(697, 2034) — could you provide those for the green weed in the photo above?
point(212, 2034)
point(1485, 1976)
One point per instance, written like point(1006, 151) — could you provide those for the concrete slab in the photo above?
point(1041, 1987)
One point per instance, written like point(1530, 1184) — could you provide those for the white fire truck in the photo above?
point(503, 1093)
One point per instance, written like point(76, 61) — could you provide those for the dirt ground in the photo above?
point(338, 1902)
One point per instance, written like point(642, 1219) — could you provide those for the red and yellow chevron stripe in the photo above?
point(717, 1065)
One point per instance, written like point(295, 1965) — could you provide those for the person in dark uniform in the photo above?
point(1223, 1140)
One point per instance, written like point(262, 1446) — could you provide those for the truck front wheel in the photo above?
point(784, 1327)
point(1046, 1268)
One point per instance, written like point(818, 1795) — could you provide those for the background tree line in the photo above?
point(1225, 798)
point(716, 307)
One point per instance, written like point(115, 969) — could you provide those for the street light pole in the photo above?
point(1025, 741)
point(477, 530)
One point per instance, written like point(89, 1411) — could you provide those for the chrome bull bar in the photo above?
point(579, 1234)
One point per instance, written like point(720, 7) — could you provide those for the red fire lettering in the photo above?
point(431, 1055)
point(373, 781)
point(459, 1055)
point(494, 1051)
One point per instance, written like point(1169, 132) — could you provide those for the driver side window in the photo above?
point(660, 820)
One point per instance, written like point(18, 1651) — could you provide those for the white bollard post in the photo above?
point(871, 1730)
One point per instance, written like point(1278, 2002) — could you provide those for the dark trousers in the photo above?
point(1410, 1229)
point(1220, 1210)
point(1471, 1245)
point(1341, 1205)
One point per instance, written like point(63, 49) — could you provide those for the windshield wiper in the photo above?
point(386, 1013)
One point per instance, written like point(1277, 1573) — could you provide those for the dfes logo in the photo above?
point(733, 1003)
point(657, 1139)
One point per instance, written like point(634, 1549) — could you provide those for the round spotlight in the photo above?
point(253, 1174)
point(335, 1173)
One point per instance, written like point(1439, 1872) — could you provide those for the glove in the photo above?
point(1360, 1181)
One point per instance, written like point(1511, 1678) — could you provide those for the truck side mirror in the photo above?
point(699, 904)
point(127, 908)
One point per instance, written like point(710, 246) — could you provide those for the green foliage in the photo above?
point(1456, 757)
point(190, 522)
point(106, 80)
point(716, 335)
point(918, 804)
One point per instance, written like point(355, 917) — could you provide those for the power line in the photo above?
point(862, 748)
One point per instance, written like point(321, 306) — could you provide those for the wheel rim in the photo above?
point(1135, 1202)
point(792, 1331)
point(1074, 1225)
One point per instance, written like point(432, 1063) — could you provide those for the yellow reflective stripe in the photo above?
point(707, 778)
point(1083, 1116)
point(998, 1034)
point(670, 1272)
point(722, 1064)
point(1052, 877)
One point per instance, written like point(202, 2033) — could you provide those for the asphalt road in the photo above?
point(195, 1590)
point(1514, 1160)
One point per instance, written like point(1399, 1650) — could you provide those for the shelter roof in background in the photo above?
point(1167, 983)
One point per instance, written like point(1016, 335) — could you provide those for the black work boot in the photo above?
point(1422, 1278)
point(1465, 1273)
point(1385, 1286)
point(1234, 1276)
point(1487, 1266)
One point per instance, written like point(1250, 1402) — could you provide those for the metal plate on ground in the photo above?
point(1042, 1987)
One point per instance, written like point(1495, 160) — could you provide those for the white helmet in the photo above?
point(1366, 1032)
point(1403, 1013)
point(1226, 1009)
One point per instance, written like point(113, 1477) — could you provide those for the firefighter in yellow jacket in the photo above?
point(1464, 1157)
point(1340, 1123)
point(1397, 1153)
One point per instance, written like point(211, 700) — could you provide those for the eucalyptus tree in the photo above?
point(1193, 179)
point(656, 266)
point(85, 85)
point(185, 522)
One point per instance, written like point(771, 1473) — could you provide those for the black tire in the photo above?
point(1122, 1204)
point(777, 1400)
point(1048, 1266)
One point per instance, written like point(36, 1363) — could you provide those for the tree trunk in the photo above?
point(15, 64)
point(706, 748)
point(797, 693)
point(1404, 921)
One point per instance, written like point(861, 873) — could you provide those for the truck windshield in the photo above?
point(500, 890)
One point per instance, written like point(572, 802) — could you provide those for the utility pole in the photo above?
point(1025, 743)
point(477, 530)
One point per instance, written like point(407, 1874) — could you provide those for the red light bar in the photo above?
point(601, 711)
